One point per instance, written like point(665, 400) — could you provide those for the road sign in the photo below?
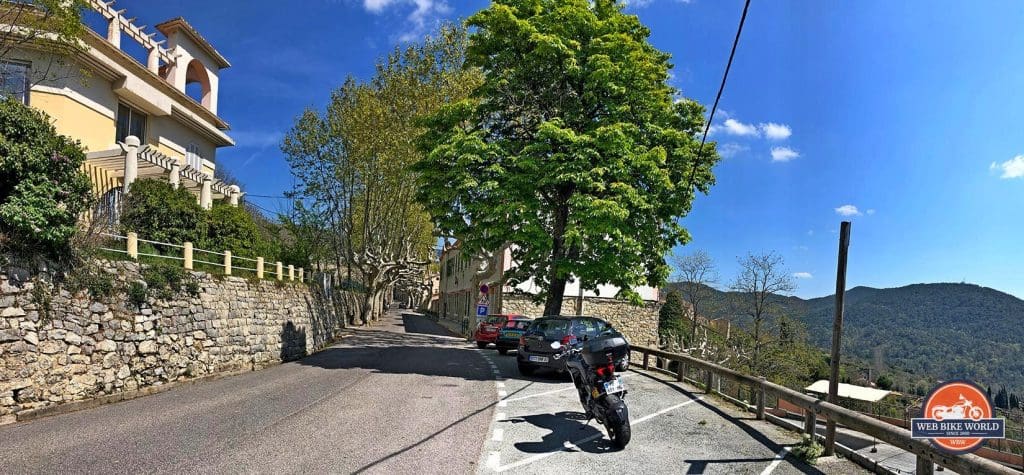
point(484, 289)
point(481, 310)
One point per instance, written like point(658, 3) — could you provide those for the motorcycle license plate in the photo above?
point(539, 359)
point(614, 386)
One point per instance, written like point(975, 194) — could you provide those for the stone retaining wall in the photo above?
point(638, 323)
point(79, 349)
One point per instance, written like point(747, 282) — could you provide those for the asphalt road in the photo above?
point(380, 402)
point(401, 398)
point(539, 427)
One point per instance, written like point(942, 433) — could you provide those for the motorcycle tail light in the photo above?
point(567, 339)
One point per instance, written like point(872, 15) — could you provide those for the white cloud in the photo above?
point(776, 131)
point(784, 154)
point(1012, 168)
point(425, 14)
point(735, 127)
point(803, 275)
point(848, 210)
point(256, 139)
point(731, 149)
point(870, 212)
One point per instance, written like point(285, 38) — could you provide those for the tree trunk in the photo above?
point(553, 306)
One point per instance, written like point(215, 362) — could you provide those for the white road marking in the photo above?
point(573, 445)
point(667, 409)
point(502, 394)
point(500, 416)
point(500, 384)
point(494, 460)
point(541, 394)
point(499, 435)
point(502, 403)
point(779, 457)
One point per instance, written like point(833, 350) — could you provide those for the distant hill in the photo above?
point(933, 331)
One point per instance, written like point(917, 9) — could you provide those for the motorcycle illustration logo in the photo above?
point(957, 417)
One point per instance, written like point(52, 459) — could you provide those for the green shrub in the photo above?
point(165, 280)
point(92, 279)
point(808, 450)
point(43, 190)
point(234, 229)
point(137, 294)
point(158, 212)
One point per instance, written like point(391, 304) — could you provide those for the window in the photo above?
point(192, 157)
point(14, 80)
point(130, 122)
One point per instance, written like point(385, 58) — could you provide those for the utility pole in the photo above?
point(837, 335)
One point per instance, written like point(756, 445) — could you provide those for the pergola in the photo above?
point(131, 161)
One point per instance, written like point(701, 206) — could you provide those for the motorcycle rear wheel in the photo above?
point(618, 430)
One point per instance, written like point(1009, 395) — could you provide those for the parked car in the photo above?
point(487, 331)
point(535, 351)
point(509, 333)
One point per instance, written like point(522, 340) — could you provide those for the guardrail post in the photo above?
point(645, 366)
point(280, 270)
point(810, 423)
point(227, 262)
point(709, 382)
point(291, 272)
point(187, 255)
point(132, 246)
point(759, 394)
point(259, 267)
point(924, 466)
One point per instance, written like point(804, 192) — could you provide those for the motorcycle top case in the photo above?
point(595, 351)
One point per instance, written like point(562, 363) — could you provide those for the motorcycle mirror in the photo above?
point(556, 345)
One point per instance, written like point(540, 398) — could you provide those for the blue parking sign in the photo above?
point(481, 310)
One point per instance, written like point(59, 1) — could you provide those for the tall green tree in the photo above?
point(353, 164)
point(672, 315)
point(574, 151)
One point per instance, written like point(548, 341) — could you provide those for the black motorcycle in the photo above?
point(591, 364)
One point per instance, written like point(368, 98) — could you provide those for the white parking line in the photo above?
point(500, 384)
point(499, 435)
point(500, 416)
point(541, 394)
point(502, 394)
point(494, 460)
point(779, 457)
point(573, 445)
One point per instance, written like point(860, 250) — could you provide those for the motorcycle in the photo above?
point(591, 365)
point(963, 409)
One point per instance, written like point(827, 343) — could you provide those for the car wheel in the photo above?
point(623, 364)
point(502, 351)
point(525, 369)
point(481, 344)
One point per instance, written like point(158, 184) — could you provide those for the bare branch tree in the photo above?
point(762, 278)
point(47, 32)
point(696, 274)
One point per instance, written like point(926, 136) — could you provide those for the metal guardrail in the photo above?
point(893, 435)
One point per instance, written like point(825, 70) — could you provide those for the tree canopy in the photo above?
point(574, 150)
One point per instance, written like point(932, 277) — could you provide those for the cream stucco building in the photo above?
point(156, 118)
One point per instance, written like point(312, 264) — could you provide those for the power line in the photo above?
point(718, 97)
point(267, 196)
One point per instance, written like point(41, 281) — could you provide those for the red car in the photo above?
point(487, 331)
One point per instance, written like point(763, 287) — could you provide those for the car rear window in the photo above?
point(518, 324)
point(495, 319)
point(555, 328)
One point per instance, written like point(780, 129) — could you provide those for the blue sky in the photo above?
point(904, 117)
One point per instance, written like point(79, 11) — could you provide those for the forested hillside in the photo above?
point(920, 333)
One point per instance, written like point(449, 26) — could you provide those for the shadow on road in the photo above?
point(397, 353)
point(415, 323)
point(753, 432)
point(563, 426)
